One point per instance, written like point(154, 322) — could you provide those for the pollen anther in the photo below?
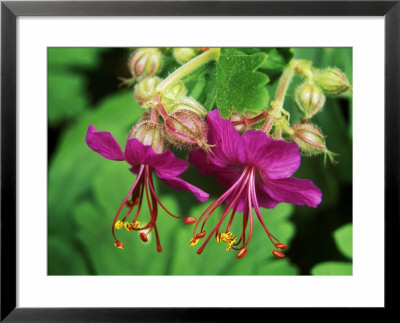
point(119, 244)
point(278, 254)
point(194, 241)
point(118, 225)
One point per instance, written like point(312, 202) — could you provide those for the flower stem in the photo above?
point(195, 63)
point(277, 103)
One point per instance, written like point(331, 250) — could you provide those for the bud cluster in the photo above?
point(182, 124)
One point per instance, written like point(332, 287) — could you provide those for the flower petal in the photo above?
point(226, 175)
point(294, 190)
point(104, 143)
point(223, 134)
point(179, 184)
point(275, 158)
point(281, 159)
point(166, 165)
point(205, 167)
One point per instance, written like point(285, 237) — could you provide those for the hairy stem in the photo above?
point(277, 103)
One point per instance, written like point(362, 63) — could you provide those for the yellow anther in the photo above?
point(135, 225)
point(119, 244)
point(194, 241)
point(128, 226)
point(118, 225)
point(230, 243)
point(218, 237)
point(226, 236)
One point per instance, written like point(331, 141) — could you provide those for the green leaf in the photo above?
point(240, 86)
point(74, 165)
point(66, 96)
point(65, 257)
point(209, 95)
point(333, 268)
point(278, 267)
point(344, 240)
point(74, 57)
point(278, 58)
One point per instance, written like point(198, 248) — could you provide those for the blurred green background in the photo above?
point(85, 190)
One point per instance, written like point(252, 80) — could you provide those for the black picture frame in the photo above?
point(10, 11)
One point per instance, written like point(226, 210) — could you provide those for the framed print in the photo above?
point(160, 158)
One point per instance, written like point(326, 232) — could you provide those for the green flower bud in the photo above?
point(183, 55)
point(145, 89)
point(149, 133)
point(187, 103)
point(332, 81)
point(310, 140)
point(145, 62)
point(309, 98)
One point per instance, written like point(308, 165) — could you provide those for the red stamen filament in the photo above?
point(243, 180)
point(138, 180)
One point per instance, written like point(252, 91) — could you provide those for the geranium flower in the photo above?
point(256, 169)
point(143, 161)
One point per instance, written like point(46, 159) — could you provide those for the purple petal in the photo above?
point(223, 134)
point(205, 167)
point(275, 158)
point(179, 184)
point(226, 176)
point(166, 165)
point(104, 143)
point(294, 190)
point(264, 200)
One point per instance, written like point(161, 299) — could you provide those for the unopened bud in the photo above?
point(310, 140)
point(149, 133)
point(183, 55)
point(332, 81)
point(145, 89)
point(145, 62)
point(309, 99)
point(187, 103)
point(186, 129)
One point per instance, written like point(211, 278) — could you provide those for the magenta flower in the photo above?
point(143, 161)
point(256, 169)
